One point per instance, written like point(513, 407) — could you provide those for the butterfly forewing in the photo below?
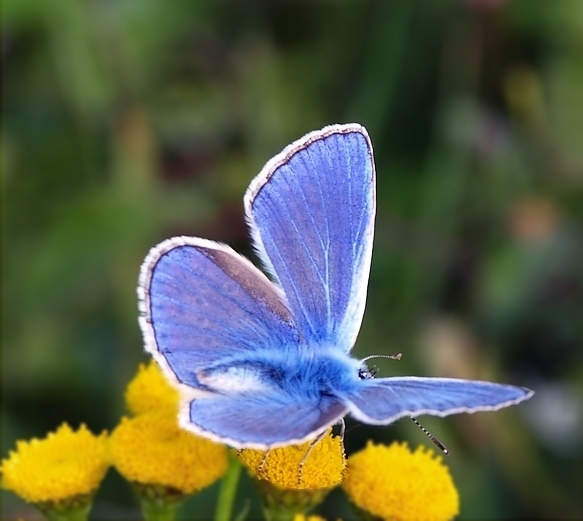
point(311, 212)
point(203, 304)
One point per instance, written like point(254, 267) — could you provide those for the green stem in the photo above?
point(228, 490)
point(153, 511)
point(275, 513)
point(159, 502)
point(284, 504)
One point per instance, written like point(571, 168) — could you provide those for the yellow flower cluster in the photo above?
point(150, 391)
point(325, 466)
point(65, 464)
point(151, 449)
point(396, 484)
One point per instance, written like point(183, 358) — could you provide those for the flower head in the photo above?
point(150, 390)
point(64, 465)
point(396, 484)
point(152, 449)
point(324, 467)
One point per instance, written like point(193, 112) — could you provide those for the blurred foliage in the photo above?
point(126, 122)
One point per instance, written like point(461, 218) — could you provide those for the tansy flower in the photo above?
point(396, 484)
point(66, 466)
point(150, 390)
point(289, 489)
point(151, 449)
point(325, 466)
point(302, 517)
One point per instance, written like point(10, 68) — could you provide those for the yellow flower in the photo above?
point(150, 390)
point(396, 484)
point(152, 449)
point(325, 466)
point(302, 517)
point(288, 490)
point(64, 465)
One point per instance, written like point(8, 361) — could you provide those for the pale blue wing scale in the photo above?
point(385, 400)
point(311, 212)
point(203, 304)
point(260, 420)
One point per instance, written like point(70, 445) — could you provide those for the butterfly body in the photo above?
point(264, 362)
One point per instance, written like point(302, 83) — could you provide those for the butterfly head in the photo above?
point(364, 373)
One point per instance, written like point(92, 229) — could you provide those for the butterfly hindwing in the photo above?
point(385, 400)
point(260, 420)
point(311, 213)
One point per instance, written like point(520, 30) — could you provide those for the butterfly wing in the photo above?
point(311, 213)
point(217, 325)
point(385, 400)
point(260, 420)
point(203, 304)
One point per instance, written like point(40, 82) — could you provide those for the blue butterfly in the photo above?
point(265, 363)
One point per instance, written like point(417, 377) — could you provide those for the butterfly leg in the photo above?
point(342, 424)
point(262, 464)
point(303, 461)
point(320, 437)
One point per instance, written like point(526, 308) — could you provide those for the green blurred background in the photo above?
point(126, 122)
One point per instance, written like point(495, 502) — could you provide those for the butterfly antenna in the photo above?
point(342, 432)
point(398, 356)
point(441, 446)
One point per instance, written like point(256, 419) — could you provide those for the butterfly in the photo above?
point(265, 362)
